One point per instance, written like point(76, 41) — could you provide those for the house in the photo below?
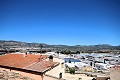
point(71, 62)
point(34, 66)
point(115, 73)
point(2, 53)
point(101, 66)
point(50, 53)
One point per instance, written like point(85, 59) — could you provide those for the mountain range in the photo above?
point(18, 44)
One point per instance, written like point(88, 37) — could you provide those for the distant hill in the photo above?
point(85, 48)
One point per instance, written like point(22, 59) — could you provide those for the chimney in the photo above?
point(25, 54)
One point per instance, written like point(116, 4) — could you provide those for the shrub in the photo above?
point(72, 70)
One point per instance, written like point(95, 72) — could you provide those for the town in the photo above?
point(38, 64)
point(59, 39)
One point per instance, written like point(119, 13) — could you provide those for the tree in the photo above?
point(77, 52)
point(72, 70)
point(50, 57)
point(41, 46)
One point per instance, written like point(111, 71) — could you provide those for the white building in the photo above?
point(115, 73)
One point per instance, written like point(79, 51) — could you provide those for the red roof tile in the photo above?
point(41, 66)
point(17, 60)
point(30, 62)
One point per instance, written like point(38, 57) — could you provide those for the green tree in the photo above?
point(72, 70)
point(50, 57)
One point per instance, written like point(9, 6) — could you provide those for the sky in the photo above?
point(67, 22)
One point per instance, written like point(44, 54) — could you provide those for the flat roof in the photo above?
point(71, 60)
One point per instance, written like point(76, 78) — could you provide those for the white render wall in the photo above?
point(114, 74)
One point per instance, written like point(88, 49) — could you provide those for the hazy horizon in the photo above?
point(67, 22)
point(62, 44)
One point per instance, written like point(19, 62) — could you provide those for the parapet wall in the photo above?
point(115, 73)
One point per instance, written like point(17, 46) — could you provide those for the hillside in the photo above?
point(85, 48)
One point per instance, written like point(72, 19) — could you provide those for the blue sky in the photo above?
point(69, 22)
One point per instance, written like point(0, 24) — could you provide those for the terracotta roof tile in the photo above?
point(17, 60)
point(30, 62)
point(41, 66)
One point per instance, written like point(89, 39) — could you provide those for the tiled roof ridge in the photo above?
point(54, 65)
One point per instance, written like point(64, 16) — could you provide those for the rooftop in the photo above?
point(117, 67)
point(30, 62)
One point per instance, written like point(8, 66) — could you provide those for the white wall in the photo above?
point(114, 74)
